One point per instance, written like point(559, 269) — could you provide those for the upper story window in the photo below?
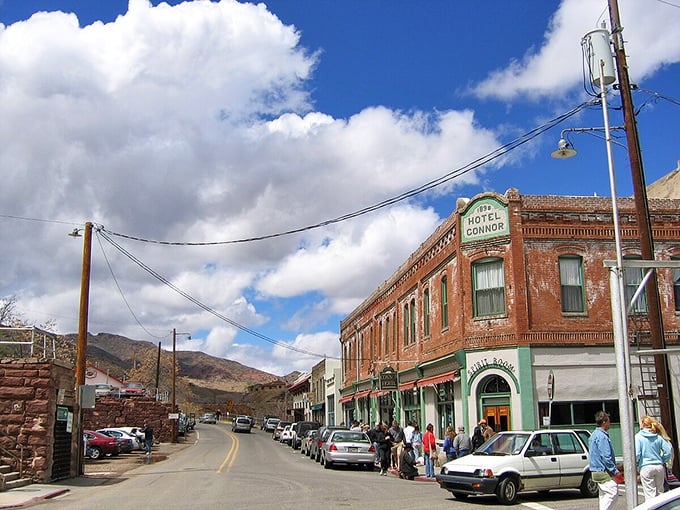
point(380, 339)
point(488, 287)
point(387, 335)
point(413, 321)
point(426, 312)
point(632, 276)
point(676, 286)
point(571, 284)
point(445, 302)
point(406, 324)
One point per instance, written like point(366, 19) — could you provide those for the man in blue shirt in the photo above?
point(602, 461)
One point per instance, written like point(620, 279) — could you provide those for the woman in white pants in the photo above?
point(652, 452)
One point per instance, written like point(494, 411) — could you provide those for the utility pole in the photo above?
point(81, 355)
point(174, 377)
point(643, 223)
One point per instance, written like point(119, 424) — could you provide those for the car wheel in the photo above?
point(507, 491)
point(327, 464)
point(589, 488)
point(460, 495)
point(95, 452)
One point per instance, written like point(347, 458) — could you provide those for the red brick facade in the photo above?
point(539, 230)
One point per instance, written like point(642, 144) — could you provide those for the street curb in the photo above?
point(26, 502)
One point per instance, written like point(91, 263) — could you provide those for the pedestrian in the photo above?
point(408, 433)
point(384, 441)
point(373, 436)
point(417, 441)
point(148, 438)
point(462, 443)
point(430, 449)
point(397, 435)
point(448, 447)
point(355, 426)
point(602, 461)
point(652, 452)
point(407, 463)
point(478, 434)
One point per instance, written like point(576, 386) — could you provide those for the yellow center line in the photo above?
point(231, 454)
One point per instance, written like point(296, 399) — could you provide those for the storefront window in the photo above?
point(411, 402)
point(445, 415)
point(578, 413)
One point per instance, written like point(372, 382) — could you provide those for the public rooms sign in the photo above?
point(486, 218)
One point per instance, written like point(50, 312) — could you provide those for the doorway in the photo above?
point(498, 417)
point(494, 401)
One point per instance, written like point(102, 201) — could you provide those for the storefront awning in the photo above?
point(362, 394)
point(346, 398)
point(379, 393)
point(436, 379)
point(406, 385)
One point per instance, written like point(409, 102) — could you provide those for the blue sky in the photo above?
point(206, 122)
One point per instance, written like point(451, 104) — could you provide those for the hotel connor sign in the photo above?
point(486, 218)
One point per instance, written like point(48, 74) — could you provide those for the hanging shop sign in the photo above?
point(388, 379)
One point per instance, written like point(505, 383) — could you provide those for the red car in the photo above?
point(98, 444)
point(133, 389)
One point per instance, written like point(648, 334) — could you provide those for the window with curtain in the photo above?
point(676, 285)
point(426, 312)
point(380, 338)
point(406, 324)
point(387, 335)
point(632, 276)
point(571, 284)
point(489, 287)
point(413, 321)
point(445, 303)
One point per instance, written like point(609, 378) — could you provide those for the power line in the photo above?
point(483, 160)
point(207, 308)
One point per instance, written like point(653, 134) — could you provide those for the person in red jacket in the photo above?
point(430, 449)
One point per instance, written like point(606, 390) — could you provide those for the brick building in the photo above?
point(508, 290)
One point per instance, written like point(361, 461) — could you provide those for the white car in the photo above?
point(122, 434)
point(665, 501)
point(515, 461)
point(286, 434)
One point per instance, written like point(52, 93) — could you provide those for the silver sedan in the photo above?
point(348, 447)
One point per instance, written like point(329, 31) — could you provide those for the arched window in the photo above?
point(496, 384)
point(445, 302)
point(414, 320)
point(406, 324)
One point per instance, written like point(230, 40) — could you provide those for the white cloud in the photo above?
point(556, 65)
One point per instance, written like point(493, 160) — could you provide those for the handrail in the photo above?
point(12, 454)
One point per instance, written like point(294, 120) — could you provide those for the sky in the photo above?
point(223, 151)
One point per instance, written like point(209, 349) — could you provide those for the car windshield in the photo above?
point(350, 437)
point(504, 444)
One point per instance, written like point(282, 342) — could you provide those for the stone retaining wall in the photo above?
point(30, 391)
point(130, 412)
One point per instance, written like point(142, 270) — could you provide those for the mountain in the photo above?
point(201, 379)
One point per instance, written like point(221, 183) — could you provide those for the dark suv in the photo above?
point(300, 430)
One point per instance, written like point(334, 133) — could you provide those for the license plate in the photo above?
point(352, 449)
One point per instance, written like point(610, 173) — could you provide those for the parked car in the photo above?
point(299, 431)
point(324, 432)
point(241, 424)
point(125, 444)
point(665, 501)
point(276, 435)
point(99, 445)
point(306, 443)
point(132, 389)
point(105, 390)
point(138, 432)
point(270, 424)
point(515, 461)
point(263, 424)
point(208, 418)
point(135, 443)
point(348, 447)
point(285, 434)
